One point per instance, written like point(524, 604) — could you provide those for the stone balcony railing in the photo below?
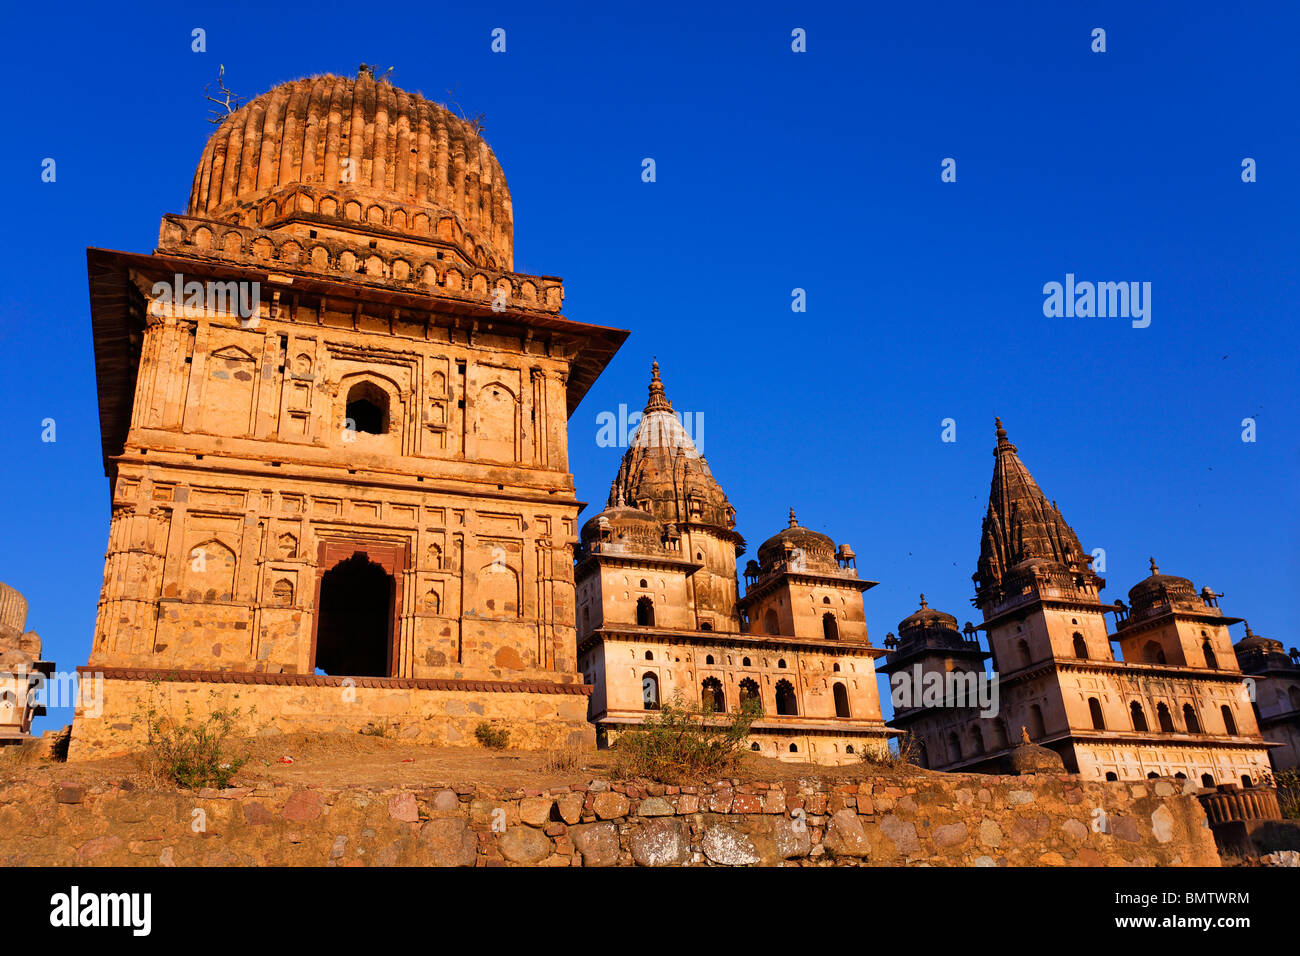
point(1230, 802)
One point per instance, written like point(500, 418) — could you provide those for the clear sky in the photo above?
point(775, 170)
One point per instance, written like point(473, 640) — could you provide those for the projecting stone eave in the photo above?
point(734, 638)
point(1033, 602)
point(765, 586)
point(1127, 629)
point(118, 321)
point(897, 661)
point(633, 559)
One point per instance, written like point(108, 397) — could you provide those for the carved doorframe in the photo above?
point(390, 556)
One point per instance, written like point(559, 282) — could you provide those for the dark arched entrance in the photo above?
point(354, 625)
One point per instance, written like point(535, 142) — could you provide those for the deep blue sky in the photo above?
point(776, 170)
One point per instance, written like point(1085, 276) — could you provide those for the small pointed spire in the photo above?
point(622, 503)
point(1249, 632)
point(793, 522)
point(1001, 432)
point(923, 604)
point(658, 401)
point(1154, 569)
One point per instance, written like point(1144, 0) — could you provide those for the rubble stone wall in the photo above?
point(954, 820)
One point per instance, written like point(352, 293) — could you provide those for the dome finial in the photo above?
point(658, 401)
point(1154, 569)
point(923, 604)
point(622, 502)
point(1249, 632)
point(1001, 432)
point(793, 521)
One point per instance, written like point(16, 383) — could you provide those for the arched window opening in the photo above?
point(1211, 659)
point(1153, 775)
point(1139, 716)
point(848, 749)
point(650, 691)
point(1022, 652)
point(645, 612)
point(749, 691)
point(1189, 719)
point(830, 629)
point(1229, 724)
point(794, 748)
point(711, 695)
point(954, 747)
point(786, 704)
point(367, 409)
point(781, 663)
point(1245, 780)
point(706, 626)
point(1164, 719)
point(1111, 775)
point(649, 655)
point(1207, 780)
point(1037, 727)
point(1094, 708)
point(708, 659)
point(753, 746)
point(770, 623)
point(1153, 653)
point(643, 583)
point(841, 700)
point(744, 662)
point(836, 667)
point(1080, 647)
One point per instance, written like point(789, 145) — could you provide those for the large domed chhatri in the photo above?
point(359, 152)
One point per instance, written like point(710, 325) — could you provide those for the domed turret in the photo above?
point(813, 550)
point(358, 153)
point(1161, 592)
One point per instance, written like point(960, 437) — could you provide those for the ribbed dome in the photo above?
point(818, 550)
point(358, 151)
point(1157, 591)
point(622, 522)
point(928, 617)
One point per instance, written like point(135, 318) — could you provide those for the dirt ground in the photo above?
point(363, 761)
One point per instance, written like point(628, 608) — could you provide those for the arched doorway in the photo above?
point(830, 629)
point(354, 619)
point(841, 700)
point(749, 692)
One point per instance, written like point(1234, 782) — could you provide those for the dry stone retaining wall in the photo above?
point(954, 820)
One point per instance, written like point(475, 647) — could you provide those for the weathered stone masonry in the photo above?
point(956, 820)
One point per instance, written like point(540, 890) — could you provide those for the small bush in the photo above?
point(192, 753)
point(908, 753)
point(489, 736)
point(1288, 792)
point(562, 761)
point(683, 741)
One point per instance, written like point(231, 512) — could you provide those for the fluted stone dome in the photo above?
point(361, 152)
point(817, 549)
point(630, 529)
point(927, 618)
point(1158, 591)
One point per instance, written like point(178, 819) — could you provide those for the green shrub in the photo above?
point(684, 741)
point(490, 736)
point(193, 753)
